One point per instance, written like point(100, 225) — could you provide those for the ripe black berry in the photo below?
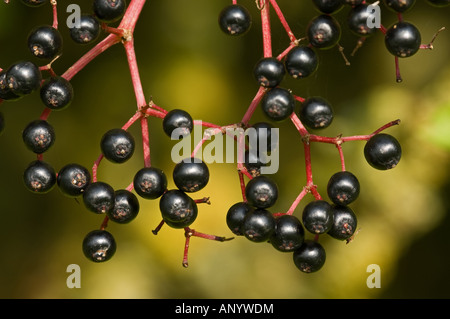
point(269, 72)
point(191, 175)
point(399, 5)
point(278, 104)
point(150, 182)
point(288, 235)
point(45, 42)
point(33, 3)
point(23, 78)
point(265, 138)
point(56, 93)
point(88, 31)
point(402, 39)
point(109, 11)
point(259, 225)
point(235, 217)
point(344, 223)
point(98, 197)
point(323, 32)
point(5, 92)
point(117, 145)
point(38, 136)
point(39, 177)
point(126, 207)
point(73, 179)
point(328, 6)
point(310, 257)
point(99, 246)
point(301, 62)
point(343, 188)
point(382, 151)
point(177, 208)
point(357, 20)
point(261, 192)
point(253, 161)
point(177, 123)
point(316, 113)
point(317, 217)
point(235, 20)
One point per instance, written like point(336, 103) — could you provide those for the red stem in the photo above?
point(283, 20)
point(266, 32)
point(55, 15)
point(253, 105)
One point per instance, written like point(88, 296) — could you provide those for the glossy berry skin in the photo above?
point(263, 137)
point(317, 217)
point(117, 145)
point(261, 192)
point(177, 207)
point(5, 92)
point(191, 175)
point(236, 215)
point(278, 104)
point(344, 223)
point(109, 11)
point(343, 188)
point(45, 42)
point(253, 161)
point(316, 113)
point(98, 197)
point(56, 93)
point(301, 62)
point(269, 72)
point(177, 123)
point(34, 3)
point(382, 151)
point(39, 177)
point(310, 257)
point(289, 234)
point(399, 5)
point(88, 31)
point(150, 182)
point(357, 21)
point(99, 246)
point(23, 78)
point(259, 225)
point(235, 20)
point(73, 179)
point(38, 136)
point(402, 39)
point(323, 32)
point(126, 207)
point(328, 6)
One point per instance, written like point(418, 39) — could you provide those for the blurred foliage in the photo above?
point(186, 62)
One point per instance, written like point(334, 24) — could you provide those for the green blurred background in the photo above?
point(186, 62)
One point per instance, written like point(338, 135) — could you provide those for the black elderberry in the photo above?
point(259, 225)
point(343, 188)
point(191, 175)
point(99, 245)
point(253, 161)
point(235, 217)
point(126, 207)
point(45, 42)
point(310, 257)
point(323, 32)
point(109, 11)
point(382, 151)
point(301, 62)
point(316, 113)
point(357, 20)
point(278, 104)
point(150, 182)
point(235, 20)
point(38, 136)
point(265, 137)
point(317, 217)
point(88, 30)
point(261, 192)
point(98, 197)
point(328, 6)
point(177, 207)
point(344, 223)
point(39, 177)
point(23, 78)
point(56, 93)
point(399, 5)
point(5, 92)
point(288, 235)
point(177, 123)
point(402, 39)
point(269, 72)
point(117, 145)
point(73, 179)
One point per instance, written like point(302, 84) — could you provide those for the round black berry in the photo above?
point(150, 182)
point(357, 20)
point(117, 145)
point(235, 20)
point(178, 208)
point(269, 72)
point(45, 42)
point(177, 123)
point(402, 39)
point(99, 245)
point(261, 192)
point(235, 217)
point(38, 136)
point(98, 197)
point(316, 113)
point(34, 3)
point(278, 104)
point(109, 11)
point(23, 78)
point(88, 30)
point(5, 92)
point(39, 177)
point(323, 32)
point(56, 93)
point(399, 5)
point(288, 235)
point(259, 225)
point(310, 257)
point(328, 6)
point(253, 161)
point(263, 137)
point(73, 179)
point(382, 151)
point(191, 175)
point(317, 217)
point(343, 188)
point(126, 207)
point(439, 3)
point(301, 62)
point(344, 222)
